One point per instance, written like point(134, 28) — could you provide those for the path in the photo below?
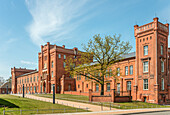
point(150, 111)
point(90, 107)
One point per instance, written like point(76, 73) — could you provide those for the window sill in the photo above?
point(145, 89)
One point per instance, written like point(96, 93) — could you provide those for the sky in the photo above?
point(25, 25)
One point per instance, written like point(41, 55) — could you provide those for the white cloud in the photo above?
point(53, 20)
point(28, 62)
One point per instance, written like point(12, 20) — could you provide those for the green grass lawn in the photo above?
point(85, 99)
point(17, 103)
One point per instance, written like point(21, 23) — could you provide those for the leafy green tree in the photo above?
point(100, 53)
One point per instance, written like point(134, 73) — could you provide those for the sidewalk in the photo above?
point(120, 112)
point(91, 107)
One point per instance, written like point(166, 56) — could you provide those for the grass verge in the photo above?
point(18, 103)
point(85, 99)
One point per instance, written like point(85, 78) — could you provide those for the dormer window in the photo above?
point(145, 50)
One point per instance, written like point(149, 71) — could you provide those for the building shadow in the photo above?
point(7, 104)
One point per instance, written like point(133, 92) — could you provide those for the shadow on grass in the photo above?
point(7, 104)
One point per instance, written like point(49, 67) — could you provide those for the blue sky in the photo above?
point(26, 24)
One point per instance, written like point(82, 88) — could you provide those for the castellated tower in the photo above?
point(151, 79)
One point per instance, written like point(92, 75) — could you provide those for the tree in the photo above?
point(2, 81)
point(100, 53)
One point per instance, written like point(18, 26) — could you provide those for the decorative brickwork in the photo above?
point(144, 72)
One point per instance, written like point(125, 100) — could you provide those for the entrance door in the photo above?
point(44, 87)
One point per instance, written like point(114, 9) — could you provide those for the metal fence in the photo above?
point(38, 111)
point(109, 104)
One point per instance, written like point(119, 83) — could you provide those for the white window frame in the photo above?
point(51, 87)
point(108, 86)
point(162, 66)
point(128, 85)
point(126, 70)
point(145, 83)
point(145, 67)
point(162, 84)
point(145, 49)
point(97, 87)
point(118, 87)
point(131, 70)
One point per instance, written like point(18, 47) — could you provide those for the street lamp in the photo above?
point(23, 91)
point(53, 93)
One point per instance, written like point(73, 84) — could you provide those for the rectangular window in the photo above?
point(37, 78)
point(35, 89)
point(145, 50)
point(131, 69)
point(106, 73)
point(97, 87)
point(64, 56)
point(108, 86)
point(162, 83)
point(128, 85)
point(110, 73)
point(31, 79)
point(118, 87)
point(69, 87)
point(52, 64)
point(79, 77)
point(118, 71)
point(59, 55)
point(87, 85)
point(52, 74)
point(162, 49)
point(52, 87)
point(145, 66)
point(34, 78)
point(145, 84)
point(64, 64)
point(126, 70)
point(162, 66)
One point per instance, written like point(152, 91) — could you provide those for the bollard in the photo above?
point(20, 111)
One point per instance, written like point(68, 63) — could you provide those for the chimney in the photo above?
point(63, 46)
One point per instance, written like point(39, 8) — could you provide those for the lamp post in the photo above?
point(53, 93)
point(23, 91)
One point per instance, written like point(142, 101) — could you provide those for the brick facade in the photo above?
point(144, 72)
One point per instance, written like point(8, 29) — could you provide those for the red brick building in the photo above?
point(144, 72)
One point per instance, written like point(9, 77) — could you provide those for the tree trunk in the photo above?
point(102, 89)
